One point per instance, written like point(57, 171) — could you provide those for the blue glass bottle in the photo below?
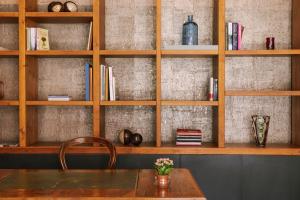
point(190, 32)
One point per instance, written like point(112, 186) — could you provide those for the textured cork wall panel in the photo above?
point(130, 24)
point(62, 76)
point(8, 5)
point(138, 119)
point(83, 5)
point(135, 78)
point(261, 19)
point(58, 124)
point(238, 118)
point(174, 14)
point(186, 117)
point(9, 126)
point(9, 75)
point(186, 78)
point(67, 36)
point(9, 33)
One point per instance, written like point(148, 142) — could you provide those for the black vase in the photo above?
point(190, 32)
point(136, 139)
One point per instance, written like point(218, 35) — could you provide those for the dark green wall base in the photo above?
point(220, 177)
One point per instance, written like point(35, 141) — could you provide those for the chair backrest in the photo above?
point(88, 140)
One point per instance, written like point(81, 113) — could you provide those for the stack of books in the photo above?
point(213, 89)
point(188, 137)
point(59, 98)
point(234, 35)
point(108, 84)
point(37, 39)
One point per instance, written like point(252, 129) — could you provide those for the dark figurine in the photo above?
point(125, 136)
point(136, 139)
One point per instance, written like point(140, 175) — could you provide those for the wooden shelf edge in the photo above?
point(9, 53)
point(60, 53)
point(127, 52)
point(9, 103)
point(9, 14)
point(128, 103)
point(189, 103)
point(59, 103)
point(189, 52)
point(263, 52)
point(59, 14)
point(261, 93)
point(159, 150)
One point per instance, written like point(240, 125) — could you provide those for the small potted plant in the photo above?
point(163, 167)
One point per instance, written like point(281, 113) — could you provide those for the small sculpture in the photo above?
point(126, 137)
point(260, 127)
point(57, 6)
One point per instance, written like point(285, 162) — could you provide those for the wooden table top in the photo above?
point(95, 184)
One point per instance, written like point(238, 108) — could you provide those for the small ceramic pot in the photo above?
point(162, 181)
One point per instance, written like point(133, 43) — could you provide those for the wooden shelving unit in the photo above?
point(27, 102)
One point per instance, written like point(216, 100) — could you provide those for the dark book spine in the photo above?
point(235, 36)
point(215, 89)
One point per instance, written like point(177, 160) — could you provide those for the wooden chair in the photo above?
point(88, 140)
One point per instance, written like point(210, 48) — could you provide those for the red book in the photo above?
point(188, 143)
point(188, 132)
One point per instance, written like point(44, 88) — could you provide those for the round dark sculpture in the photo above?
point(136, 139)
point(125, 136)
point(55, 6)
point(70, 6)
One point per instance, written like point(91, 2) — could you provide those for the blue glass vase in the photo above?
point(190, 32)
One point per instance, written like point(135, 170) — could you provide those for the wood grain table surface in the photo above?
point(96, 184)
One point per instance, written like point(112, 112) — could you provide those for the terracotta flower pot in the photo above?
point(162, 181)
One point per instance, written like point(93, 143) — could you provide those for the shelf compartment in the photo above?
point(128, 52)
point(189, 103)
point(9, 123)
point(61, 17)
point(128, 103)
point(189, 52)
point(61, 53)
point(9, 103)
point(261, 93)
point(59, 103)
point(282, 52)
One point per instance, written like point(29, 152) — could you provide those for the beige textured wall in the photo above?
point(130, 24)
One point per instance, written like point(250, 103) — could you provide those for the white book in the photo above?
point(59, 98)
point(230, 35)
point(114, 88)
point(33, 38)
point(90, 39)
point(191, 47)
point(28, 37)
point(211, 89)
point(110, 80)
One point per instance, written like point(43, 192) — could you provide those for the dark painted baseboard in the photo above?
point(220, 177)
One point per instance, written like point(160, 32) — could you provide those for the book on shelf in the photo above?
point(88, 82)
point(234, 35)
point(108, 84)
point(37, 39)
point(188, 132)
point(90, 39)
point(188, 137)
point(213, 89)
point(59, 98)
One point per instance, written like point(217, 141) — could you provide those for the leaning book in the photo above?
point(42, 39)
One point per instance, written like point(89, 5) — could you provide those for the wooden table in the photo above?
point(95, 184)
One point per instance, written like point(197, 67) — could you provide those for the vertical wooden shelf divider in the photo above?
point(22, 75)
point(295, 72)
point(158, 73)
point(221, 72)
point(96, 67)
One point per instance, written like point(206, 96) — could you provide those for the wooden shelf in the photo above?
point(9, 103)
point(189, 52)
point(127, 52)
point(61, 53)
point(60, 17)
point(9, 17)
point(128, 103)
point(59, 103)
point(9, 53)
point(283, 52)
point(261, 93)
point(189, 103)
point(205, 149)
